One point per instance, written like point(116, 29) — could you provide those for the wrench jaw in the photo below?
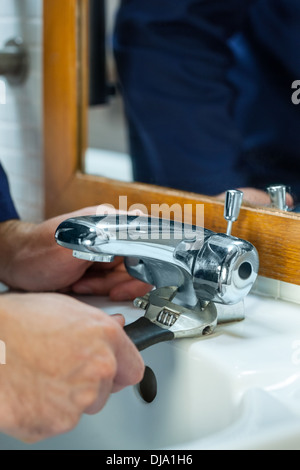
point(181, 321)
point(185, 322)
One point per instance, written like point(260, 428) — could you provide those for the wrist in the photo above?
point(14, 236)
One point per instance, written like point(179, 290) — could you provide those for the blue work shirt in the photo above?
point(207, 91)
point(7, 208)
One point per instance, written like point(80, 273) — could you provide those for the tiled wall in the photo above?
point(277, 290)
point(21, 114)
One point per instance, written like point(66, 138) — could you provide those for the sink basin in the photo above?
point(236, 389)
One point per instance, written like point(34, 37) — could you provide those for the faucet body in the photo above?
point(204, 266)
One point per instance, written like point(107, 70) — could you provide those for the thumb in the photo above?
point(119, 319)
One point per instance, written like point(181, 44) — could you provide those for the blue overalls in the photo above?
point(7, 208)
point(207, 91)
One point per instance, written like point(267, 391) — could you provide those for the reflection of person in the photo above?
point(63, 357)
point(207, 92)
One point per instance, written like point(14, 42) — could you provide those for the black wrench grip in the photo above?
point(144, 333)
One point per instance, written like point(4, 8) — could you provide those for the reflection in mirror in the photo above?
point(67, 188)
point(192, 126)
point(106, 154)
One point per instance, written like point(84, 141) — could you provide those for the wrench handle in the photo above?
point(144, 333)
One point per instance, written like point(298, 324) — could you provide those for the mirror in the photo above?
point(68, 187)
point(108, 150)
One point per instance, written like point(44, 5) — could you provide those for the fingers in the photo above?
point(255, 196)
point(116, 364)
point(289, 200)
point(98, 395)
point(131, 366)
point(258, 197)
point(119, 319)
point(129, 290)
point(99, 284)
point(118, 285)
point(129, 363)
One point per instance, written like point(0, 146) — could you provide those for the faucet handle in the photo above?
point(233, 202)
point(277, 193)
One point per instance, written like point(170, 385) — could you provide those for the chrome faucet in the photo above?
point(201, 277)
point(277, 193)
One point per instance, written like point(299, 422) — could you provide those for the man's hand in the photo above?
point(31, 260)
point(63, 358)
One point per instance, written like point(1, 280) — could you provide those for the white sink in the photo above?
point(237, 389)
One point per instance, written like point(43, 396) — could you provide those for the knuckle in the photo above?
point(59, 422)
point(102, 366)
point(86, 398)
point(106, 329)
point(65, 422)
point(107, 366)
point(111, 330)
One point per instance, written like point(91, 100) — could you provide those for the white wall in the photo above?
point(21, 115)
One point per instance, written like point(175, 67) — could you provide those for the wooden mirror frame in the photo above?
point(274, 233)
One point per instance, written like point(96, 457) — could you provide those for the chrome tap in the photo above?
point(233, 202)
point(203, 271)
point(277, 193)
